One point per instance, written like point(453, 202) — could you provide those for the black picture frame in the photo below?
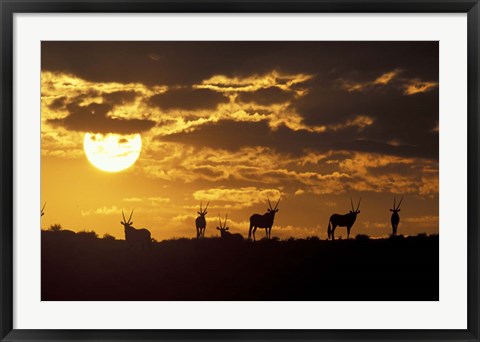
point(10, 7)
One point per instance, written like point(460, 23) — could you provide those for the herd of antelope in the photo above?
point(143, 236)
point(265, 221)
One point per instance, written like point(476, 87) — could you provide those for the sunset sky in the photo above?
point(312, 123)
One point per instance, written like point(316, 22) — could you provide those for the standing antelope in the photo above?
point(346, 220)
point(141, 236)
point(395, 217)
point(263, 221)
point(200, 221)
point(42, 212)
point(225, 234)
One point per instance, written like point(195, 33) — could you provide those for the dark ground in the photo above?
point(82, 267)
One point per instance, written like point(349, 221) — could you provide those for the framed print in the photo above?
point(234, 170)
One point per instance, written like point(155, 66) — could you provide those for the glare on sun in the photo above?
point(112, 152)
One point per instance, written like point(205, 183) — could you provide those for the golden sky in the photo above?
point(312, 123)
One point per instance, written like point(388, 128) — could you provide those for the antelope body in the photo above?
point(347, 220)
point(395, 217)
point(225, 234)
point(264, 221)
point(200, 221)
point(134, 236)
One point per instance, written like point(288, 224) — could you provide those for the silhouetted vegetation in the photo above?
point(83, 267)
point(89, 235)
point(362, 237)
point(55, 227)
point(107, 236)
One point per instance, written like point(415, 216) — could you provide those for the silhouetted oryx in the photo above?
point(263, 221)
point(395, 217)
point(133, 236)
point(225, 234)
point(43, 209)
point(347, 220)
point(200, 221)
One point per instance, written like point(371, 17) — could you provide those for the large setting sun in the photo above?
point(112, 152)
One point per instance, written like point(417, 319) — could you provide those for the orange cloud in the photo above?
point(416, 86)
point(381, 80)
point(386, 77)
point(360, 121)
point(426, 221)
point(252, 83)
point(241, 197)
point(346, 171)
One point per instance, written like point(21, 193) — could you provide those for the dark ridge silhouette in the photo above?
point(347, 220)
point(136, 237)
point(225, 234)
point(264, 221)
point(80, 269)
point(200, 221)
point(395, 217)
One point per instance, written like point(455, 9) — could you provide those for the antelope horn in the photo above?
point(44, 206)
point(399, 203)
point(351, 203)
point(269, 204)
point(124, 217)
point(201, 207)
point(220, 220)
point(130, 216)
point(225, 224)
point(358, 206)
point(205, 210)
point(394, 205)
point(276, 205)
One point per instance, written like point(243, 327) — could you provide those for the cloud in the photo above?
point(285, 140)
point(101, 211)
point(155, 57)
point(422, 219)
point(359, 122)
point(391, 115)
point(153, 201)
point(416, 86)
point(266, 96)
point(397, 175)
point(239, 197)
point(425, 221)
point(94, 118)
point(315, 108)
point(138, 62)
point(62, 144)
point(429, 185)
point(262, 85)
point(329, 172)
point(120, 97)
point(386, 77)
point(377, 225)
point(188, 99)
point(58, 103)
point(381, 80)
